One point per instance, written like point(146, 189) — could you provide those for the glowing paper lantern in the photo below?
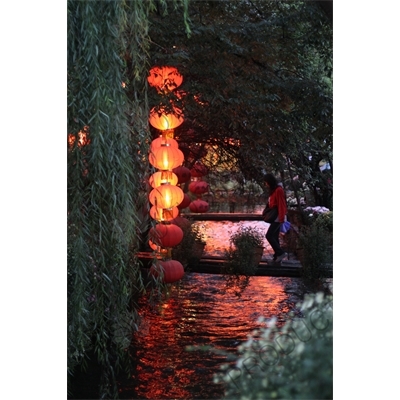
point(166, 157)
point(166, 235)
point(161, 177)
point(165, 121)
point(171, 270)
point(182, 173)
point(166, 196)
point(165, 78)
point(162, 214)
point(199, 206)
point(156, 143)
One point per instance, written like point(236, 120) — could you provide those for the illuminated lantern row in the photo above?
point(165, 195)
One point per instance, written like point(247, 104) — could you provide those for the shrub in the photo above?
point(291, 362)
point(240, 255)
point(242, 258)
point(187, 251)
point(317, 255)
point(325, 221)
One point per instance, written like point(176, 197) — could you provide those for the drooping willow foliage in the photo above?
point(108, 138)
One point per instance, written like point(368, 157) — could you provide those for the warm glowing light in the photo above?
point(166, 157)
point(165, 120)
point(160, 141)
point(165, 78)
point(162, 177)
point(82, 137)
point(162, 214)
point(166, 196)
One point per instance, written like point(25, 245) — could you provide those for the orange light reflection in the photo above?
point(200, 311)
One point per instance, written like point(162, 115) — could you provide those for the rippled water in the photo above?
point(200, 311)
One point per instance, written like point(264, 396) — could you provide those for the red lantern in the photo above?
point(198, 170)
point(166, 196)
point(156, 143)
point(166, 157)
point(182, 173)
point(171, 270)
point(166, 235)
point(162, 177)
point(199, 206)
point(185, 202)
point(181, 222)
point(198, 187)
point(161, 214)
point(164, 120)
point(165, 78)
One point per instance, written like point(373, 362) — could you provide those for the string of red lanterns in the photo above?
point(165, 196)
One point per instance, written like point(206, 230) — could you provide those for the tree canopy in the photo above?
point(257, 88)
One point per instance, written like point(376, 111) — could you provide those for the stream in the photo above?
point(200, 310)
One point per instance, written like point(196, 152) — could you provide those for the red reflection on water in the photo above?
point(199, 311)
point(217, 234)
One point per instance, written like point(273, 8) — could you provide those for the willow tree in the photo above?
point(108, 138)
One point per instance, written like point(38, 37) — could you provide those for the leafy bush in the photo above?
point(242, 258)
point(240, 255)
point(291, 362)
point(188, 251)
point(325, 221)
point(315, 241)
point(247, 236)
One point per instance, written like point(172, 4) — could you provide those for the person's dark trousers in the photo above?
point(273, 238)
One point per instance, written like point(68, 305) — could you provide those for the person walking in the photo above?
point(276, 199)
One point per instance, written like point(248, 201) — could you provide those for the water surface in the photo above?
point(200, 311)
